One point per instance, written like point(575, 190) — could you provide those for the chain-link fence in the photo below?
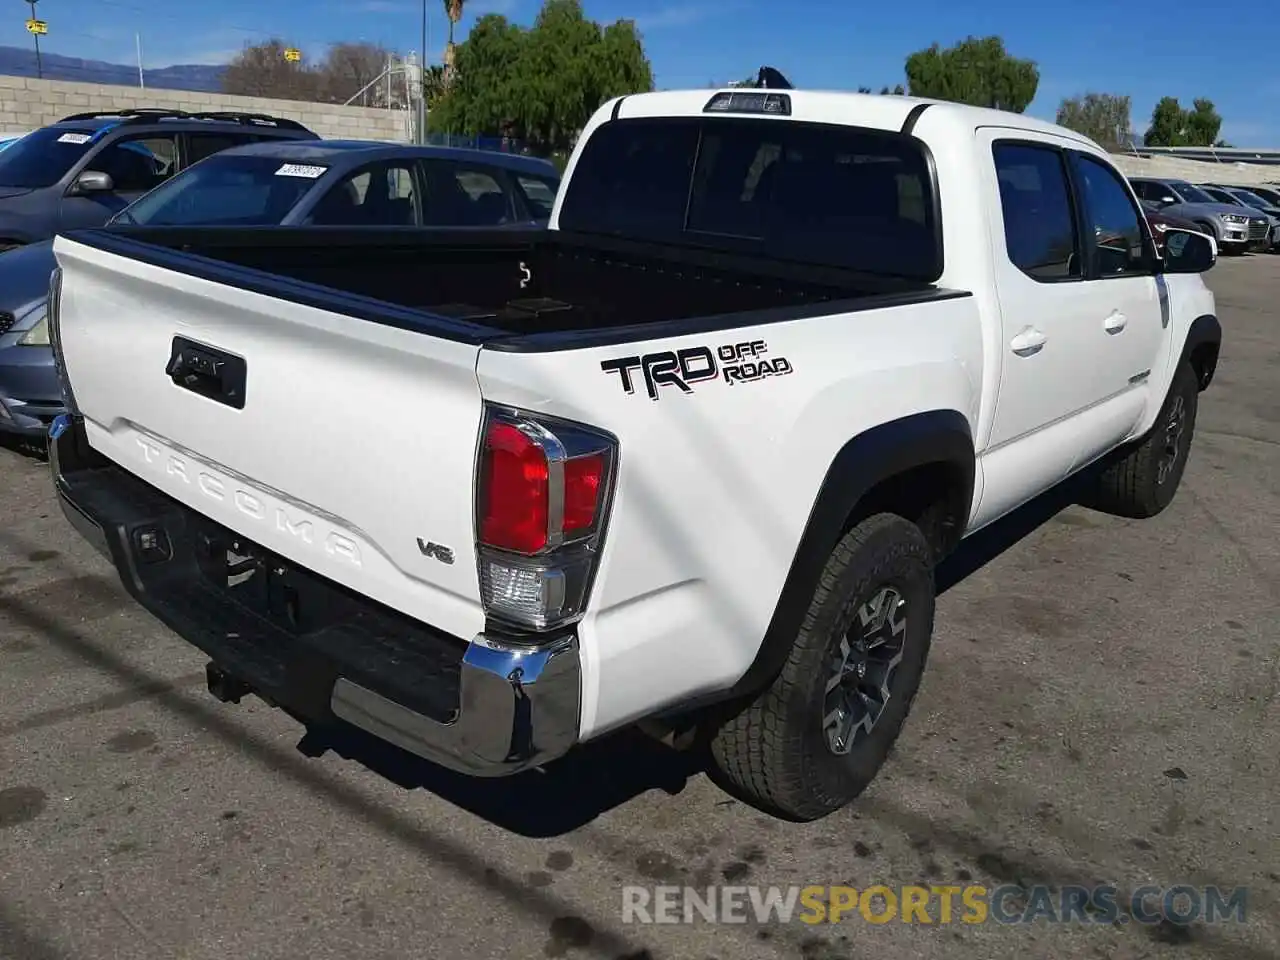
point(499, 144)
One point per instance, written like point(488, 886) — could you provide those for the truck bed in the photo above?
point(508, 285)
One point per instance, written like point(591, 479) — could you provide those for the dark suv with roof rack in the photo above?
point(82, 170)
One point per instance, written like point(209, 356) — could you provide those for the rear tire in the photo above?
point(814, 739)
point(1144, 480)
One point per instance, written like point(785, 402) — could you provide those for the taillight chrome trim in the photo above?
point(556, 455)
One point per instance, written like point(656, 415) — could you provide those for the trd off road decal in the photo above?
point(732, 363)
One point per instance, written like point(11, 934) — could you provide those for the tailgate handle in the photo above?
point(207, 371)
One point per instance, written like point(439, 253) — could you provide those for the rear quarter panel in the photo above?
point(716, 485)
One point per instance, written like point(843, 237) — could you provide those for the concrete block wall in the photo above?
point(27, 104)
point(1197, 171)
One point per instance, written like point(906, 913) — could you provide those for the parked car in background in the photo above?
point(1235, 230)
point(1161, 223)
point(1269, 194)
point(29, 393)
point(355, 183)
point(83, 169)
point(312, 183)
point(1253, 201)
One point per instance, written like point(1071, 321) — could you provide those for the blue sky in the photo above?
point(835, 44)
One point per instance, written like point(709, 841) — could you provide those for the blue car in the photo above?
point(80, 171)
point(320, 183)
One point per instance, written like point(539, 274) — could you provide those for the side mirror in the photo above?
point(1188, 252)
point(93, 181)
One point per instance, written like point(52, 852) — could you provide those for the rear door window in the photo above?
point(1040, 233)
point(201, 145)
point(539, 194)
point(816, 193)
point(464, 195)
point(378, 195)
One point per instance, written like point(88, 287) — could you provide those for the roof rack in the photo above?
point(771, 79)
point(249, 119)
point(153, 114)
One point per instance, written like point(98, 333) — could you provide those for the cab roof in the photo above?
point(889, 112)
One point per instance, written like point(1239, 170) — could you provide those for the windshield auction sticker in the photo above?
point(76, 138)
point(303, 170)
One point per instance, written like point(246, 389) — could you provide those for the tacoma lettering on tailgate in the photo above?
point(732, 362)
point(247, 503)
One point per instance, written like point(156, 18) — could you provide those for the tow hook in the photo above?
point(224, 686)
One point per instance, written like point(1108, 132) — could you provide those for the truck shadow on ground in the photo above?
point(605, 774)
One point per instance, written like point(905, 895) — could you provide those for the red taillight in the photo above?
point(515, 484)
point(583, 477)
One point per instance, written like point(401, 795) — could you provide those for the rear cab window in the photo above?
point(821, 194)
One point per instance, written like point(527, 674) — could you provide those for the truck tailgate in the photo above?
point(349, 448)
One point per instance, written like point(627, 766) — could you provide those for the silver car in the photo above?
point(1245, 197)
point(1235, 228)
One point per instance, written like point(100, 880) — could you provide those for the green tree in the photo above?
point(433, 84)
point(541, 84)
point(1203, 123)
point(1167, 119)
point(1103, 117)
point(478, 97)
point(896, 90)
point(977, 71)
point(1173, 126)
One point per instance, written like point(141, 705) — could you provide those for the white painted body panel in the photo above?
point(292, 470)
point(714, 488)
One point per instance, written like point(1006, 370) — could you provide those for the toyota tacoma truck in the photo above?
point(685, 460)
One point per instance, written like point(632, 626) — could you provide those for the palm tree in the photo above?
point(453, 8)
point(433, 83)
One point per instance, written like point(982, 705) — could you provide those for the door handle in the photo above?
point(1028, 342)
point(1116, 322)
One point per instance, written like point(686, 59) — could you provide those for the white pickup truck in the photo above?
point(686, 459)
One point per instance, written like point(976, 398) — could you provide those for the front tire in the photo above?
point(1144, 480)
point(814, 739)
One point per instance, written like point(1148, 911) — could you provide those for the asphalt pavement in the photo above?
point(1100, 707)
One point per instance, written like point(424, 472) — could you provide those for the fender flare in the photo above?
point(1205, 332)
point(891, 449)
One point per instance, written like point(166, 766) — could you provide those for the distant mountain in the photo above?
point(21, 62)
